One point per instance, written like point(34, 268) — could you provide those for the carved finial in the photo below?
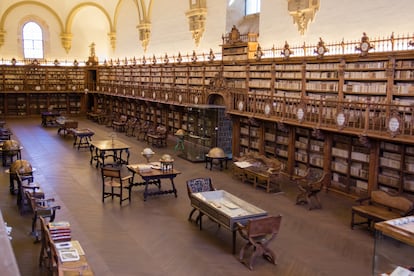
point(211, 55)
point(259, 52)
point(194, 57)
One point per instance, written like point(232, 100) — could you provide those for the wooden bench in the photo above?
point(263, 171)
point(381, 206)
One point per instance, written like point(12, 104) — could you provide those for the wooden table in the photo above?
point(225, 209)
point(66, 125)
point(82, 137)
point(114, 148)
point(49, 118)
point(154, 176)
point(74, 267)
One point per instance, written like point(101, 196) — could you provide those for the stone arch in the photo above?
point(217, 98)
point(77, 8)
point(21, 4)
point(66, 36)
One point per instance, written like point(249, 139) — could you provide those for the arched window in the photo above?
point(32, 40)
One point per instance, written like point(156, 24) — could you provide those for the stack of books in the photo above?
point(60, 231)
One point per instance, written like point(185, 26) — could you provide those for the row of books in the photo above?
point(60, 231)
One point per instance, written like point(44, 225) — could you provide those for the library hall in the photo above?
point(206, 137)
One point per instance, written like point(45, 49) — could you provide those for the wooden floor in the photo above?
point(155, 237)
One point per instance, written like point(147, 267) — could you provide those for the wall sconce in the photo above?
point(197, 18)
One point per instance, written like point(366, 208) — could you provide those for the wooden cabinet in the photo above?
point(13, 78)
point(250, 135)
point(396, 167)
point(288, 79)
point(322, 79)
point(235, 52)
point(403, 85)
point(261, 78)
point(167, 75)
point(366, 81)
point(236, 75)
point(276, 142)
point(350, 165)
point(181, 76)
point(205, 126)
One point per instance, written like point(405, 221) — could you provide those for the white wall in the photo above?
point(335, 20)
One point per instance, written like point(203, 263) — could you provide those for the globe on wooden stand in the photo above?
point(166, 163)
point(147, 153)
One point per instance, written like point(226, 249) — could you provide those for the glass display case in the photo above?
point(394, 247)
point(225, 208)
point(205, 127)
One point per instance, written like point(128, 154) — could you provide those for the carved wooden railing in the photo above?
point(158, 94)
point(360, 118)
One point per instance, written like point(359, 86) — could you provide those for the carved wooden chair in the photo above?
point(198, 185)
point(130, 126)
point(119, 124)
point(24, 185)
point(45, 257)
point(41, 208)
point(113, 183)
point(259, 233)
point(143, 131)
point(159, 137)
point(309, 187)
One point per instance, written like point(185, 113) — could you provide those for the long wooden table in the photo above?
point(154, 176)
point(49, 118)
point(66, 125)
point(225, 209)
point(102, 149)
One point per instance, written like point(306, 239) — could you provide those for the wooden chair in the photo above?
point(119, 124)
point(23, 203)
point(143, 131)
point(159, 137)
point(130, 126)
point(45, 257)
point(112, 180)
point(41, 208)
point(259, 233)
point(197, 185)
point(309, 187)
